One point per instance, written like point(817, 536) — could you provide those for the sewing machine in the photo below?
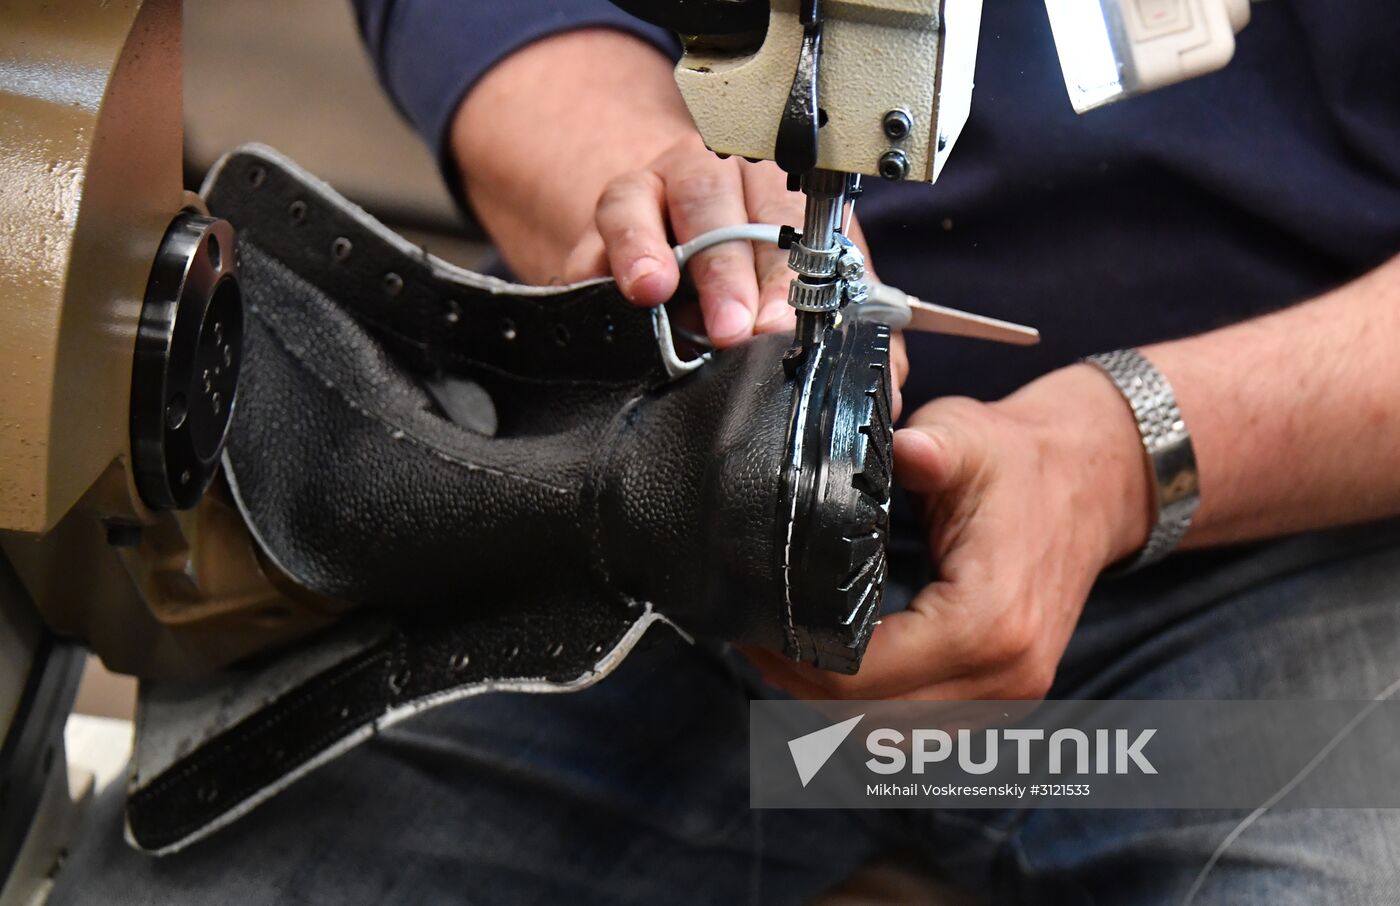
point(838, 90)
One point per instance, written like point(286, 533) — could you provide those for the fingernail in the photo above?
point(641, 269)
point(920, 437)
point(772, 315)
point(732, 319)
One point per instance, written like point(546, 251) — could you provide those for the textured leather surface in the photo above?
point(687, 496)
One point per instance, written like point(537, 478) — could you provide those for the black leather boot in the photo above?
point(513, 483)
point(413, 436)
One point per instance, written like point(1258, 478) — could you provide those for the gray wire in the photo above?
point(746, 232)
point(1287, 788)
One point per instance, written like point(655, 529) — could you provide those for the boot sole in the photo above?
point(837, 521)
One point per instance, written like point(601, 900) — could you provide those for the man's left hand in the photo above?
point(1025, 501)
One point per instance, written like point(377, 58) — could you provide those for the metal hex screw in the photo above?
point(894, 165)
point(898, 125)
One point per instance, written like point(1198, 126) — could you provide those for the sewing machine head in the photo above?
point(833, 90)
point(893, 78)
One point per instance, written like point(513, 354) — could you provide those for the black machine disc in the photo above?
point(188, 350)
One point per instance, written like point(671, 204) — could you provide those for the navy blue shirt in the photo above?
point(1166, 215)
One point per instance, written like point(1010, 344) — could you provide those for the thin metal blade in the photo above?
point(932, 318)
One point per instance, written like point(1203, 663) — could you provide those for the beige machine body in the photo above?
point(917, 57)
point(878, 56)
point(90, 179)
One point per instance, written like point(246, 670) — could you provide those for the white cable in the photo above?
point(747, 232)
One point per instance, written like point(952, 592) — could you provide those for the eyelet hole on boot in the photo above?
point(341, 248)
point(453, 313)
point(393, 283)
point(561, 335)
point(297, 211)
point(256, 177)
point(609, 328)
point(508, 330)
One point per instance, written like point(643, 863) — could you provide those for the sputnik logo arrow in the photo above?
point(811, 752)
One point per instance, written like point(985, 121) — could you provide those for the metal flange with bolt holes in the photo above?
point(189, 347)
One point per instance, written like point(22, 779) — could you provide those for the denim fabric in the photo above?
point(635, 791)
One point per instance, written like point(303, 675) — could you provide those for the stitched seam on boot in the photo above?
point(798, 431)
point(593, 488)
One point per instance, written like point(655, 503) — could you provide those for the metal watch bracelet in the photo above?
point(1167, 443)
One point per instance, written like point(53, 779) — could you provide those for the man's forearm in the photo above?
point(526, 138)
point(1295, 416)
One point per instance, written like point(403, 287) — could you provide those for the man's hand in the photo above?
point(623, 177)
point(742, 288)
point(1025, 501)
point(623, 166)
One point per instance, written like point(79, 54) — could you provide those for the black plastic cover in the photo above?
point(701, 17)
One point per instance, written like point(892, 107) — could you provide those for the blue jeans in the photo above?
point(635, 791)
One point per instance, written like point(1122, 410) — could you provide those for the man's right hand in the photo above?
point(742, 288)
point(617, 176)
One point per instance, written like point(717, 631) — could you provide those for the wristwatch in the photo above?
point(1167, 444)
